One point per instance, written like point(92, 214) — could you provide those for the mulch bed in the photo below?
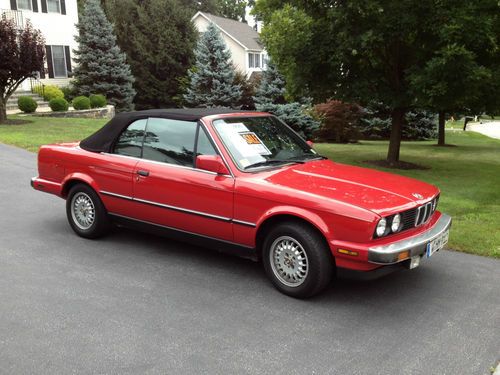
point(398, 165)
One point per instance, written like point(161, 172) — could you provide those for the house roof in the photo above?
point(241, 32)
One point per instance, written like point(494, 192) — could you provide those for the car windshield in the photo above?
point(255, 142)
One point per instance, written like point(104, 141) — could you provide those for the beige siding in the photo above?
point(238, 53)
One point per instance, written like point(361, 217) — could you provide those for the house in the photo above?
point(247, 53)
point(56, 19)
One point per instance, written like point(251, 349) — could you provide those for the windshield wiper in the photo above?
point(274, 161)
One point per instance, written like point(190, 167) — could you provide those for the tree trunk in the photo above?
point(3, 110)
point(441, 141)
point(396, 131)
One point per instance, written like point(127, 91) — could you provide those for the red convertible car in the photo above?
point(243, 182)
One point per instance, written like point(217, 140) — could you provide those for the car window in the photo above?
point(130, 141)
point(204, 146)
point(170, 141)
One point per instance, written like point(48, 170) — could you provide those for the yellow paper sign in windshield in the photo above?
point(251, 138)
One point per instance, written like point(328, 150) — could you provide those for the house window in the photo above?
point(54, 6)
point(254, 60)
point(59, 62)
point(24, 4)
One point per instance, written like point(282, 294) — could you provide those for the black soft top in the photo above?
point(103, 139)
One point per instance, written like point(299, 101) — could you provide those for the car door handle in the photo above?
point(143, 173)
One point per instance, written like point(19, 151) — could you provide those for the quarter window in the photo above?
point(170, 141)
point(130, 141)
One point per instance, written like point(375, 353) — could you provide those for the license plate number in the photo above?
point(437, 243)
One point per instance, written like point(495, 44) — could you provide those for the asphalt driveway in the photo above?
point(136, 304)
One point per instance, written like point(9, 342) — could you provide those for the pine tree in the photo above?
point(270, 97)
point(102, 67)
point(211, 82)
point(272, 87)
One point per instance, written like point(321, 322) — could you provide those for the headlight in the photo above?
point(381, 226)
point(396, 223)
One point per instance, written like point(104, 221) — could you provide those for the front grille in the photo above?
point(419, 215)
point(408, 218)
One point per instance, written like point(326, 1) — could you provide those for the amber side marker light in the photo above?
point(404, 255)
point(348, 252)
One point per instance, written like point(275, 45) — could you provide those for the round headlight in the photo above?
point(396, 223)
point(381, 226)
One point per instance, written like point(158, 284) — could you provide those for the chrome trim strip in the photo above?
point(245, 223)
point(175, 208)
point(179, 230)
point(388, 254)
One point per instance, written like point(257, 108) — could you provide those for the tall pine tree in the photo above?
point(211, 80)
point(158, 38)
point(102, 67)
point(272, 87)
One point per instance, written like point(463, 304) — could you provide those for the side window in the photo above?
point(204, 146)
point(170, 141)
point(130, 141)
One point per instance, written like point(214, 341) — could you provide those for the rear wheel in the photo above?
point(86, 213)
point(297, 260)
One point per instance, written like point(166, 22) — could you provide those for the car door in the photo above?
point(172, 191)
point(115, 171)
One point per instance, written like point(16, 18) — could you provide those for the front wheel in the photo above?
point(297, 260)
point(86, 213)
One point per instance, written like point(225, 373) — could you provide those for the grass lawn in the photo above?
point(468, 174)
point(44, 130)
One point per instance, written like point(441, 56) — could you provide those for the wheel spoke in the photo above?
point(289, 261)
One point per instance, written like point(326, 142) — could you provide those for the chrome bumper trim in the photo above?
point(388, 254)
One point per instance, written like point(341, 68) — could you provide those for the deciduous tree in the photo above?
point(22, 54)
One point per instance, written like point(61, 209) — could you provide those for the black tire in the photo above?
point(318, 259)
point(96, 227)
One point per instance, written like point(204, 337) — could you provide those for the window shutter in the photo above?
point(68, 58)
point(35, 5)
point(48, 49)
point(63, 7)
point(44, 6)
point(13, 4)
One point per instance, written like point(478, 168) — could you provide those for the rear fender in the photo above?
point(77, 177)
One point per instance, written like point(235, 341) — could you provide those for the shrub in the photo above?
point(339, 121)
point(69, 92)
point(59, 105)
point(27, 104)
point(81, 102)
point(418, 124)
point(97, 101)
point(49, 92)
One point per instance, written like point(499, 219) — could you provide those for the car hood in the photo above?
point(380, 192)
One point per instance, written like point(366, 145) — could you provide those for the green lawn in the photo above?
point(468, 174)
point(44, 130)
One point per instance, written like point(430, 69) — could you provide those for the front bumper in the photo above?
point(390, 254)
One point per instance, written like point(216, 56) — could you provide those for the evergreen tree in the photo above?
point(211, 82)
point(102, 67)
point(270, 97)
point(272, 87)
point(158, 38)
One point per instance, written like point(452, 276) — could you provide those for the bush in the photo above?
point(49, 92)
point(97, 101)
point(59, 105)
point(81, 102)
point(339, 121)
point(417, 125)
point(69, 93)
point(27, 104)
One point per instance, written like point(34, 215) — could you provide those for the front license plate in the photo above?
point(437, 243)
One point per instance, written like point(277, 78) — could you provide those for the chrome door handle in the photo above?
point(143, 173)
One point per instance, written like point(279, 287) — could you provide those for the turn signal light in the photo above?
point(404, 255)
point(348, 252)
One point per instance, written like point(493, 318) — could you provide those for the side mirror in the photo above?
point(211, 163)
point(310, 143)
